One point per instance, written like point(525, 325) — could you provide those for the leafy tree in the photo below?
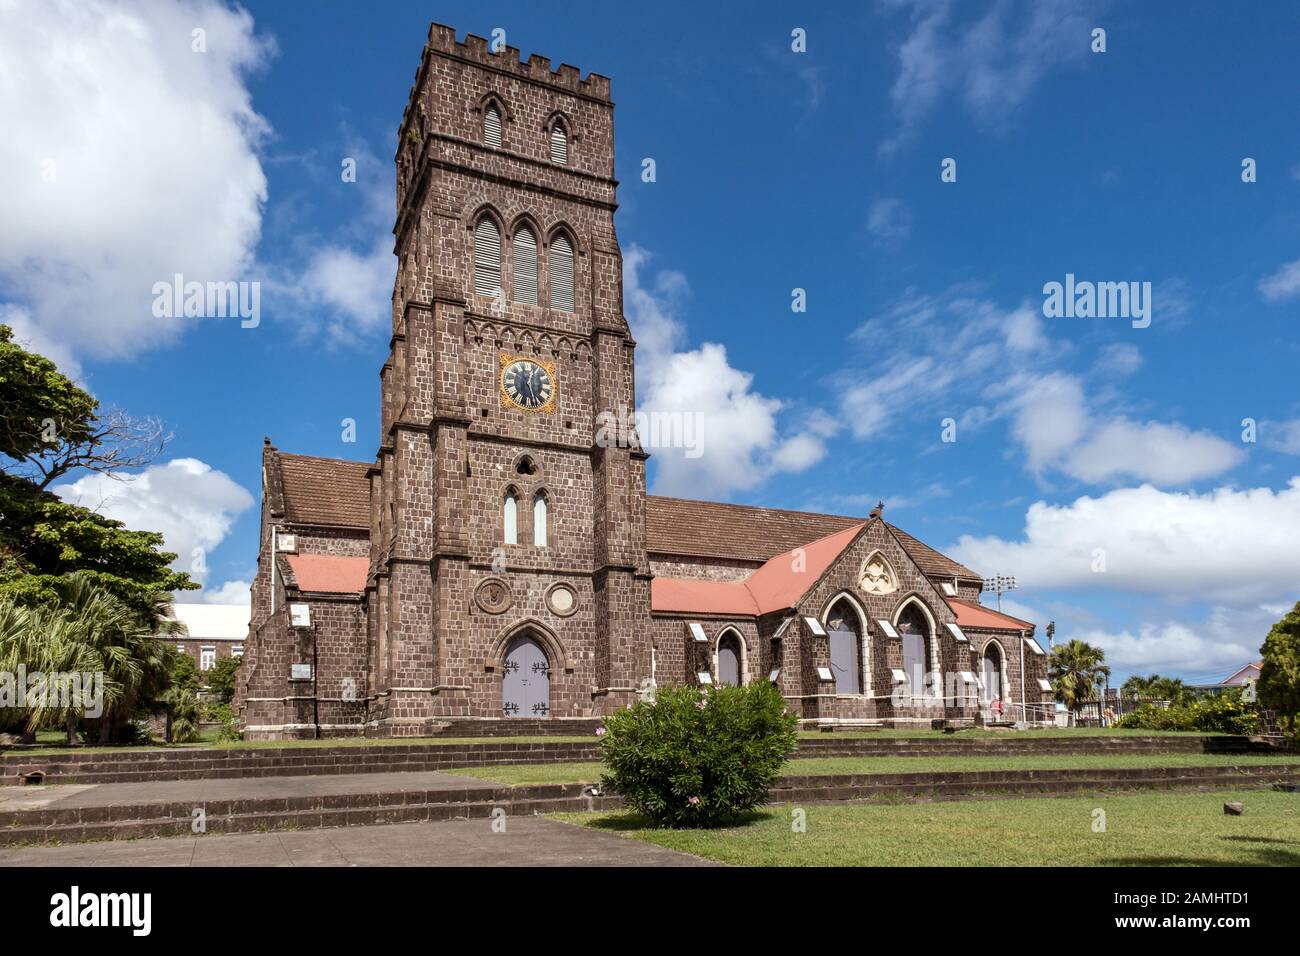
point(1279, 677)
point(221, 678)
point(181, 706)
point(89, 630)
point(1157, 687)
point(49, 426)
point(43, 538)
point(695, 758)
point(1075, 669)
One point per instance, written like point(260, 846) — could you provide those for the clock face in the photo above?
point(527, 384)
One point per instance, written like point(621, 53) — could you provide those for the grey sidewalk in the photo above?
point(527, 841)
point(233, 788)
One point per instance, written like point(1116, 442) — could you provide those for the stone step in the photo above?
point(141, 765)
point(175, 818)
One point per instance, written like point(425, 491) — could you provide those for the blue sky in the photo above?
point(775, 171)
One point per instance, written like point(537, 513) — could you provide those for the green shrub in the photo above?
point(698, 758)
point(1223, 713)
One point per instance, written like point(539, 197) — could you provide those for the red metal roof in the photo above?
point(329, 573)
point(702, 597)
point(778, 584)
point(978, 616)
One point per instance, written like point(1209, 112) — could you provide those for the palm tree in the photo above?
point(1154, 686)
point(90, 632)
point(1076, 669)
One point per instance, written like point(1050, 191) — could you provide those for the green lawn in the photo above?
point(589, 772)
point(1158, 829)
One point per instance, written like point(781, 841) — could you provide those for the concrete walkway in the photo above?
point(68, 795)
point(527, 841)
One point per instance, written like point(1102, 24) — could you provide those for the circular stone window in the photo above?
point(493, 596)
point(562, 600)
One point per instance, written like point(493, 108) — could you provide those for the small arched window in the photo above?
point(560, 268)
point(510, 515)
point(487, 258)
point(524, 266)
point(539, 520)
point(492, 126)
point(559, 144)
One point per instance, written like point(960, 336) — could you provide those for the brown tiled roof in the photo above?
point(325, 491)
point(710, 529)
point(929, 560)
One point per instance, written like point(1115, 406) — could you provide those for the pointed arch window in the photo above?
point(510, 516)
point(539, 520)
point(487, 258)
point(560, 269)
point(492, 126)
point(559, 144)
point(523, 252)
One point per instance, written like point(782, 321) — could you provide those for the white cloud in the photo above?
point(358, 285)
point(1282, 284)
point(346, 284)
point(1050, 418)
point(192, 505)
point(1281, 436)
point(1171, 648)
point(128, 158)
point(924, 349)
point(740, 443)
point(889, 221)
point(1225, 545)
point(231, 592)
point(1053, 424)
point(1151, 451)
point(991, 65)
point(1119, 358)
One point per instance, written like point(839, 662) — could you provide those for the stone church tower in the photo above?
point(504, 540)
point(500, 557)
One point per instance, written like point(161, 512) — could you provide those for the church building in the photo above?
point(499, 559)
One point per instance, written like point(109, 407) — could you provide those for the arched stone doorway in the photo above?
point(729, 659)
point(845, 633)
point(914, 629)
point(992, 672)
point(526, 679)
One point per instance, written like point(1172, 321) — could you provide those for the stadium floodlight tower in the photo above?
point(999, 585)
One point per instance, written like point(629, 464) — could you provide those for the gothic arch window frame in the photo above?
point(529, 458)
point(743, 663)
point(509, 495)
point(543, 497)
point(521, 222)
point(575, 250)
point(557, 655)
point(1002, 670)
point(889, 566)
point(864, 640)
point(488, 211)
point(565, 123)
point(493, 99)
point(913, 598)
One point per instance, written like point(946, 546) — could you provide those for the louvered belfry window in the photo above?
point(560, 268)
point(487, 258)
point(492, 127)
point(524, 266)
point(559, 145)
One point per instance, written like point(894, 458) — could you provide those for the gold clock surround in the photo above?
point(508, 402)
